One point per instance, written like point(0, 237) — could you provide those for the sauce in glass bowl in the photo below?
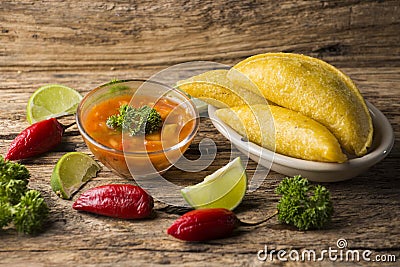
point(142, 154)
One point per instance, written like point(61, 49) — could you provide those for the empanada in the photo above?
point(315, 89)
point(285, 131)
point(214, 88)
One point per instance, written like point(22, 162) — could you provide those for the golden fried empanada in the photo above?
point(288, 132)
point(214, 88)
point(315, 89)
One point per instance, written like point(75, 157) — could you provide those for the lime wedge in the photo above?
point(200, 105)
point(72, 171)
point(52, 100)
point(225, 188)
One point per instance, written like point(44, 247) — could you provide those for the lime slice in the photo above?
point(52, 100)
point(72, 171)
point(200, 105)
point(225, 188)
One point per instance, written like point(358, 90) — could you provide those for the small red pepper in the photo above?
point(204, 224)
point(38, 138)
point(122, 201)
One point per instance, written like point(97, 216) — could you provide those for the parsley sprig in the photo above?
point(136, 121)
point(303, 205)
point(23, 207)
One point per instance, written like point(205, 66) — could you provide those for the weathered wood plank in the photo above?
point(94, 35)
point(83, 44)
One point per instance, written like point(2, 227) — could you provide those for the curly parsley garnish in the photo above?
point(25, 208)
point(136, 121)
point(303, 205)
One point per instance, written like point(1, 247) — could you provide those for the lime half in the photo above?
point(225, 188)
point(52, 100)
point(72, 171)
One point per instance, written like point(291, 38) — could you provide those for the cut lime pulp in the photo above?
point(72, 171)
point(225, 188)
point(53, 100)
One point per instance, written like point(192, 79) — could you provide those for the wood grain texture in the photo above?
point(83, 44)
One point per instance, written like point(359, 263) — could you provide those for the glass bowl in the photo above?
point(125, 161)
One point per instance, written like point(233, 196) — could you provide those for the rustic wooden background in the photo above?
point(83, 44)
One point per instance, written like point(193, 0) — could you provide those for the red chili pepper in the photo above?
point(38, 138)
point(122, 201)
point(204, 224)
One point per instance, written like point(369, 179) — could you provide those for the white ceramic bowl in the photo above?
point(315, 171)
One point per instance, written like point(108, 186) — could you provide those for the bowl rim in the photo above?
point(383, 136)
point(133, 153)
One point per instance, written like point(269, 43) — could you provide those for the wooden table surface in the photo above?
point(83, 44)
